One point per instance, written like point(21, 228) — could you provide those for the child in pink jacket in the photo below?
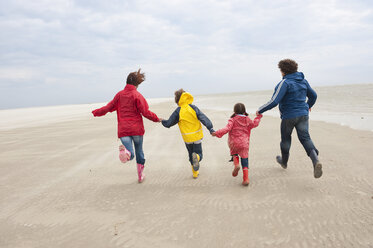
point(239, 127)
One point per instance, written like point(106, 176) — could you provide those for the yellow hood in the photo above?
point(185, 99)
point(190, 126)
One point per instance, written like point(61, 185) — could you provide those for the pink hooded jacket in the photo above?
point(239, 128)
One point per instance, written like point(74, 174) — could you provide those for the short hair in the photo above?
point(288, 66)
point(135, 78)
point(178, 94)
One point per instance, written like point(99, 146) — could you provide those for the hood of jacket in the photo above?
point(185, 99)
point(296, 76)
point(241, 120)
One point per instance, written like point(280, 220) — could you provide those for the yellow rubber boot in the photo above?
point(195, 173)
point(195, 165)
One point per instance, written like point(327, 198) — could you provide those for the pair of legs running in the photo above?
point(245, 168)
point(301, 126)
point(195, 156)
point(126, 153)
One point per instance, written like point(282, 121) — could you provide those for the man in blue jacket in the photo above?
point(291, 94)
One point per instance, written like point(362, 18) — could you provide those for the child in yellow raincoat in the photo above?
point(189, 118)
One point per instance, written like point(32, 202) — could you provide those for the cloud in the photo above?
point(205, 46)
point(17, 74)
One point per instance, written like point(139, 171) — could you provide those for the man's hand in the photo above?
point(213, 134)
point(160, 119)
point(257, 113)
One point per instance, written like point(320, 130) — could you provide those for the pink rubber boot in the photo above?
point(140, 172)
point(124, 154)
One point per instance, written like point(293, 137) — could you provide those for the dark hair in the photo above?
point(178, 94)
point(288, 66)
point(239, 109)
point(135, 78)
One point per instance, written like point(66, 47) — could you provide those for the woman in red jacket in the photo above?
point(130, 106)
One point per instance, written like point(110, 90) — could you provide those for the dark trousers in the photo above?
point(197, 148)
point(301, 126)
point(245, 163)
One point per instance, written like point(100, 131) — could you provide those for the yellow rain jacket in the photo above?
point(189, 119)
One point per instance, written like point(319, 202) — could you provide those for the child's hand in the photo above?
point(257, 113)
point(160, 119)
point(213, 134)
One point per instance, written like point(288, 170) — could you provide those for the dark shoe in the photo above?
point(232, 157)
point(279, 160)
point(317, 170)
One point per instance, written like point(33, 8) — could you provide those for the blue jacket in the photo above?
point(291, 94)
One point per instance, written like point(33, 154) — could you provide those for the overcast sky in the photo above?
point(68, 52)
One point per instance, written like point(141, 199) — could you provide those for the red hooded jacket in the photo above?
point(239, 129)
point(130, 106)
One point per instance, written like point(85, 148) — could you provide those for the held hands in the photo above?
point(257, 113)
point(160, 119)
point(213, 134)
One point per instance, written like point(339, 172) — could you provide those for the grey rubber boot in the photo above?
point(283, 160)
point(317, 166)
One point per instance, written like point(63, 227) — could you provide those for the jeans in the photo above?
point(137, 141)
point(301, 126)
point(197, 148)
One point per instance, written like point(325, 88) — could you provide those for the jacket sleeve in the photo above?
point(255, 122)
point(143, 108)
point(277, 96)
point(311, 95)
point(173, 120)
point(219, 133)
point(203, 118)
point(110, 107)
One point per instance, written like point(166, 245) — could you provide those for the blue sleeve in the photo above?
point(277, 96)
point(203, 118)
point(174, 119)
point(311, 95)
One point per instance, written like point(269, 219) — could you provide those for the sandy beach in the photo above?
point(62, 185)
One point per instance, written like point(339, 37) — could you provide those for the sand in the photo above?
point(62, 185)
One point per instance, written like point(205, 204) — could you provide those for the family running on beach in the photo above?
point(290, 94)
